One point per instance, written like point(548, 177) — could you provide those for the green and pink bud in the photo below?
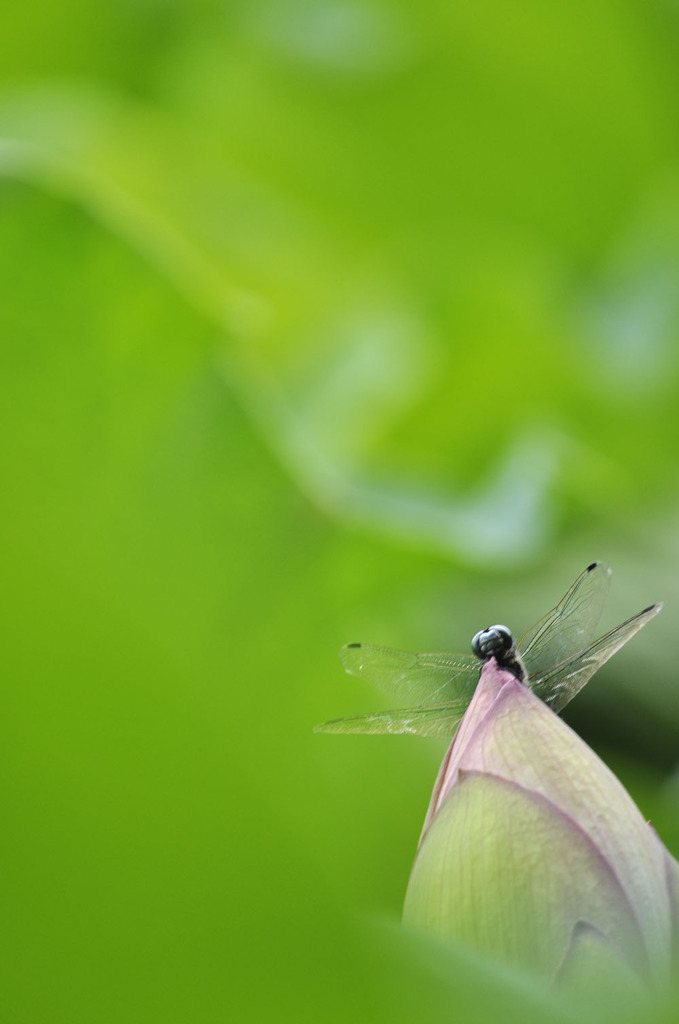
point(533, 852)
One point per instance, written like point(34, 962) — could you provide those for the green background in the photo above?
point(320, 321)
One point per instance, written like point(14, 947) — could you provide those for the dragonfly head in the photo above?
point(493, 642)
point(497, 642)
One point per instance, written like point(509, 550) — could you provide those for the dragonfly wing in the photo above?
point(416, 678)
point(569, 627)
point(559, 684)
point(439, 721)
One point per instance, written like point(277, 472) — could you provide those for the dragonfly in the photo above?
point(554, 660)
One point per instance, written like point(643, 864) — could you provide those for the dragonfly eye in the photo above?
point(495, 641)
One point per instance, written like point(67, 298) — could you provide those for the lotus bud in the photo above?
point(532, 850)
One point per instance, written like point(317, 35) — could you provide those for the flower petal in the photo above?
point(502, 869)
point(594, 972)
point(488, 689)
point(672, 872)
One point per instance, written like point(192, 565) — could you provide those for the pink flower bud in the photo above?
point(534, 852)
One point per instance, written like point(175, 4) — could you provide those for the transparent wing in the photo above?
point(439, 721)
point(569, 627)
point(416, 678)
point(559, 684)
